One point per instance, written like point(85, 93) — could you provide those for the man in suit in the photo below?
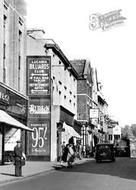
point(18, 156)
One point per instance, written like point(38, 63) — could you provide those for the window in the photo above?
point(64, 97)
point(20, 35)
point(20, 21)
point(65, 87)
point(70, 101)
point(4, 51)
point(60, 82)
point(59, 62)
point(116, 137)
point(19, 68)
point(59, 92)
point(4, 20)
point(110, 137)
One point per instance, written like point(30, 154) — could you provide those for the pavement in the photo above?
point(32, 168)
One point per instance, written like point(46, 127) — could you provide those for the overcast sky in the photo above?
point(112, 52)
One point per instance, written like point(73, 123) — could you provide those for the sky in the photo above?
point(112, 52)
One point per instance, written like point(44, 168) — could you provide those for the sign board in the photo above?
point(94, 113)
point(133, 148)
point(39, 107)
point(39, 69)
point(39, 140)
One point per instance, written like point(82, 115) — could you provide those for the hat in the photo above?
point(18, 141)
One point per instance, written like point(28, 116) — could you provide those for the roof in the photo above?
point(79, 66)
point(56, 49)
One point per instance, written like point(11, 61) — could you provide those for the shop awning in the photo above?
point(70, 131)
point(7, 119)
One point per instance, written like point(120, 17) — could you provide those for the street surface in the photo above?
point(120, 175)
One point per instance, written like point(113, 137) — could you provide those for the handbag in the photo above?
point(22, 161)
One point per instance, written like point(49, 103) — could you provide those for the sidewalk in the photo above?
point(7, 172)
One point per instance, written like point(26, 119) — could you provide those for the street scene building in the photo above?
point(13, 99)
point(57, 98)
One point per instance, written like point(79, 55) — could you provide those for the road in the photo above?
point(120, 175)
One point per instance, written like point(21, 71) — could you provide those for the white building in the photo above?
point(63, 89)
point(114, 133)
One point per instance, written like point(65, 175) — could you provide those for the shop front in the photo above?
point(13, 120)
point(64, 121)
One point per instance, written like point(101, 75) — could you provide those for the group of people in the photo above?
point(69, 152)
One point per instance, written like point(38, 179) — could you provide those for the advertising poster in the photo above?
point(38, 75)
point(39, 140)
point(39, 107)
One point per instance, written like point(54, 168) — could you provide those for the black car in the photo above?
point(105, 151)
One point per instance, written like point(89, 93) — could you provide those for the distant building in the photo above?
point(114, 131)
point(85, 101)
point(102, 107)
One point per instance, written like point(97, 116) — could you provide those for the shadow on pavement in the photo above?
point(124, 167)
point(7, 174)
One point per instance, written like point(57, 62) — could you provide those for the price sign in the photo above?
point(39, 140)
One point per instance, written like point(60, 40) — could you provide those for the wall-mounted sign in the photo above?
point(39, 107)
point(12, 102)
point(39, 140)
point(39, 68)
point(94, 113)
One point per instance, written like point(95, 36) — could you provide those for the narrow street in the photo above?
point(120, 175)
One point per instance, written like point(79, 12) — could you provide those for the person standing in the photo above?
point(18, 156)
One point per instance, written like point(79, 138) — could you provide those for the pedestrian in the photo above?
point(71, 155)
point(78, 150)
point(19, 160)
point(65, 153)
point(62, 150)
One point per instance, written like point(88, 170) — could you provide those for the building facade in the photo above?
point(85, 100)
point(63, 91)
point(13, 98)
point(102, 109)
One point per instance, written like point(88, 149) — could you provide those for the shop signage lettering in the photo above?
point(36, 109)
point(39, 139)
point(38, 75)
point(39, 136)
point(4, 97)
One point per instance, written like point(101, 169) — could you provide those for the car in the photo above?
point(105, 152)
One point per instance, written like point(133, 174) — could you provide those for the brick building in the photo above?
point(85, 101)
